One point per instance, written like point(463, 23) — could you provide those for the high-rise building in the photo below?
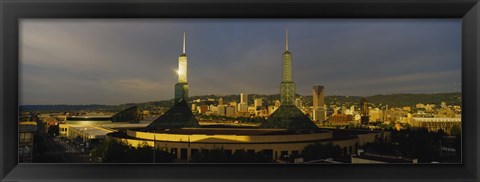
point(242, 107)
point(220, 101)
point(181, 88)
point(244, 98)
point(287, 86)
point(221, 110)
point(375, 115)
point(258, 102)
point(364, 111)
point(318, 95)
point(230, 111)
point(319, 109)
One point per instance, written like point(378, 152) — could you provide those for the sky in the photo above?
point(116, 61)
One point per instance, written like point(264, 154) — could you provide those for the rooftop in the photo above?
point(289, 117)
point(179, 116)
point(383, 158)
point(91, 131)
point(234, 131)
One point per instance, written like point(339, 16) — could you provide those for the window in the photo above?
point(183, 153)
point(294, 152)
point(173, 151)
point(268, 153)
point(194, 152)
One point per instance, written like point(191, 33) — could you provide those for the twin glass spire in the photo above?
point(182, 65)
point(286, 38)
point(287, 87)
point(183, 42)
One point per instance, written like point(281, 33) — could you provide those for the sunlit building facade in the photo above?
point(319, 111)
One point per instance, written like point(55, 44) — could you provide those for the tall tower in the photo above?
point(288, 116)
point(181, 88)
point(318, 96)
point(319, 110)
point(244, 98)
point(287, 87)
point(364, 113)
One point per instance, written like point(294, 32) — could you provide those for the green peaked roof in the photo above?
point(289, 117)
point(179, 116)
point(131, 114)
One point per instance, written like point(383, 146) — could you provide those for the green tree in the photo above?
point(455, 130)
point(412, 143)
point(112, 151)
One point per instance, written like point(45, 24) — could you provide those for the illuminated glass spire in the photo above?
point(182, 65)
point(181, 88)
point(286, 39)
point(287, 87)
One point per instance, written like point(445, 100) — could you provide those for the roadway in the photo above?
point(57, 149)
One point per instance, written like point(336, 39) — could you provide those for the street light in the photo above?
point(154, 145)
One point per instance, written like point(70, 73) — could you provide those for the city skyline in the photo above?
point(134, 61)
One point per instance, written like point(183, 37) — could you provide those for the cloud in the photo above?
point(116, 61)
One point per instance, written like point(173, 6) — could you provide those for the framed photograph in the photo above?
point(239, 90)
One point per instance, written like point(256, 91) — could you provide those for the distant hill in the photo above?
point(64, 108)
point(398, 100)
point(393, 100)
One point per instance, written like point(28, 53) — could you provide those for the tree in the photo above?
point(112, 151)
point(412, 143)
point(455, 130)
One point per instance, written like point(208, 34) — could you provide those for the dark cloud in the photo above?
point(118, 61)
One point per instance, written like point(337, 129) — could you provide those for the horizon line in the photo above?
point(218, 95)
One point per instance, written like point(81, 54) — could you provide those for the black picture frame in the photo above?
point(11, 11)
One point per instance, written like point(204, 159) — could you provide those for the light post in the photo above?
point(154, 145)
point(188, 157)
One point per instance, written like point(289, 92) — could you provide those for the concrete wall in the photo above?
point(277, 144)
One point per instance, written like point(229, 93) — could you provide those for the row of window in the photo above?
point(267, 152)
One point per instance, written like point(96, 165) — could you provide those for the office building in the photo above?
point(231, 111)
point(319, 111)
point(244, 98)
point(221, 110)
point(258, 102)
point(242, 107)
point(364, 111)
point(220, 101)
